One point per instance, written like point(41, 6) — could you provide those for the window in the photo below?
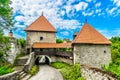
point(104, 51)
point(41, 38)
point(41, 50)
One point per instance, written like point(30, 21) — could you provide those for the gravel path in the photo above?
point(47, 73)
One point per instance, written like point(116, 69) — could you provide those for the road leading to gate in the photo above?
point(47, 73)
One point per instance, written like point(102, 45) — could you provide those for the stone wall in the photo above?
point(30, 62)
point(62, 59)
point(13, 52)
point(32, 37)
point(10, 76)
point(93, 55)
point(90, 73)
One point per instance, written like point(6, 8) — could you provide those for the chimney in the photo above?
point(10, 34)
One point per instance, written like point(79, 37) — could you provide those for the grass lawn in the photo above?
point(5, 70)
point(5, 67)
point(69, 72)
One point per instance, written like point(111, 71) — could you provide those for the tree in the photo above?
point(4, 42)
point(5, 15)
point(58, 40)
point(115, 49)
point(21, 42)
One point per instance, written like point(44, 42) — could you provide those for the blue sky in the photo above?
point(68, 16)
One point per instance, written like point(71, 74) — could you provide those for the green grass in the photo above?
point(34, 70)
point(5, 70)
point(69, 72)
point(60, 65)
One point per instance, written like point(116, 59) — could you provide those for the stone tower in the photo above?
point(91, 48)
point(41, 30)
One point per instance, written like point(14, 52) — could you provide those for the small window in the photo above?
point(104, 51)
point(41, 50)
point(41, 38)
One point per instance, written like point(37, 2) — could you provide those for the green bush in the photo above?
point(114, 68)
point(5, 70)
point(69, 72)
point(34, 70)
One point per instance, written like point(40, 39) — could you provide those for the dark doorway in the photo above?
point(47, 60)
point(37, 61)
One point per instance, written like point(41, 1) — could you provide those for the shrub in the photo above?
point(114, 68)
point(34, 70)
point(69, 72)
point(5, 70)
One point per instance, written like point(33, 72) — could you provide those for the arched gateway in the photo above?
point(43, 59)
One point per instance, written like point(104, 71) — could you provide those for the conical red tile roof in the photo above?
point(90, 36)
point(41, 24)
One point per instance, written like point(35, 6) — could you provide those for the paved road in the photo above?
point(47, 73)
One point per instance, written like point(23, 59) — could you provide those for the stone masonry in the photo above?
point(93, 55)
point(35, 37)
point(90, 73)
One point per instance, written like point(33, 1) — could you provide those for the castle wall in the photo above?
point(32, 37)
point(93, 55)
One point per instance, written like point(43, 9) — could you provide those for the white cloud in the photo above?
point(117, 2)
point(88, 0)
point(65, 33)
point(88, 13)
point(98, 10)
point(19, 18)
point(98, 4)
point(81, 6)
point(32, 9)
point(111, 11)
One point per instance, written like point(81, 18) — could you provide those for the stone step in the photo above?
point(21, 61)
point(23, 75)
point(26, 77)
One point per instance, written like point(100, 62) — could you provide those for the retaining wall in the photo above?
point(90, 73)
point(10, 76)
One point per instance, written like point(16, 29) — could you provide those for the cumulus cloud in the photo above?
point(98, 4)
point(65, 33)
point(32, 9)
point(111, 11)
point(117, 2)
point(59, 12)
point(81, 6)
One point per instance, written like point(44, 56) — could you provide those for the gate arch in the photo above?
point(43, 59)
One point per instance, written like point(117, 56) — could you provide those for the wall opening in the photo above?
point(41, 38)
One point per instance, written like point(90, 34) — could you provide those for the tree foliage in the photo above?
point(115, 49)
point(58, 40)
point(114, 66)
point(5, 15)
point(4, 42)
point(21, 42)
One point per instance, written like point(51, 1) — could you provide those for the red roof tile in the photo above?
point(91, 36)
point(52, 45)
point(41, 24)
